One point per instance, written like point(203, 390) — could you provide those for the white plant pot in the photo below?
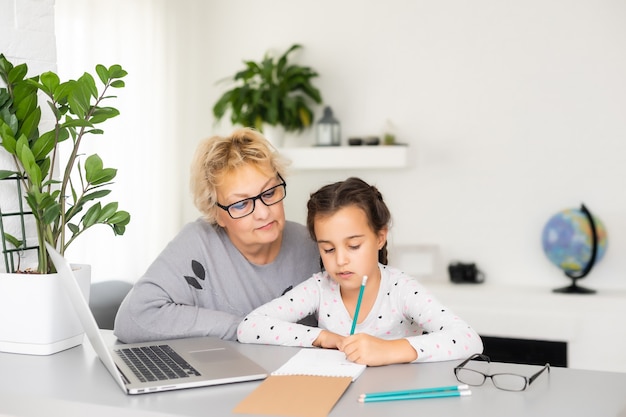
point(36, 315)
point(275, 135)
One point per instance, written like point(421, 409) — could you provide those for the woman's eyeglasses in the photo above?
point(269, 197)
point(504, 381)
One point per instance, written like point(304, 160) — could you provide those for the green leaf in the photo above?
point(25, 88)
point(50, 81)
point(78, 99)
point(90, 218)
point(104, 176)
point(8, 141)
point(95, 174)
point(101, 114)
point(30, 124)
point(118, 84)
point(27, 159)
point(17, 73)
point(95, 195)
point(88, 85)
point(50, 182)
point(116, 71)
point(6, 174)
point(93, 163)
point(106, 212)
point(63, 91)
point(17, 243)
point(9, 119)
point(52, 213)
point(26, 104)
point(220, 107)
point(56, 111)
point(118, 230)
point(120, 218)
point(44, 166)
point(44, 145)
point(103, 73)
point(76, 123)
point(13, 240)
point(73, 228)
point(5, 99)
point(5, 67)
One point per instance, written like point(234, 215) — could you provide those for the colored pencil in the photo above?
point(358, 304)
point(440, 394)
point(416, 391)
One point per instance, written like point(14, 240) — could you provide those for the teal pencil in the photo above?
point(442, 394)
point(358, 304)
point(416, 391)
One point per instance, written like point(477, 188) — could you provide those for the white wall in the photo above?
point(27, 33)
point(26, 36)
point(513, 111)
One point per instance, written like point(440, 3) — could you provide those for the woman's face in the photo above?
point(348, 246)
point(264, 226)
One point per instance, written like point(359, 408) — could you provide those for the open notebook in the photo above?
point(320, 362)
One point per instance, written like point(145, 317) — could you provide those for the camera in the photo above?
point(465, 273)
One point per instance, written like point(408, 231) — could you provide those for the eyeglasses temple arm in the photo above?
point(474, 356)
point(532, 378)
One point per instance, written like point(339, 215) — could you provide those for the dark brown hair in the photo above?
point(351, 192)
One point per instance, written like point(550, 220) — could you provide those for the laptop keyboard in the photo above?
point(156, 363)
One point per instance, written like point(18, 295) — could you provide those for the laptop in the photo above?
point(140, 368)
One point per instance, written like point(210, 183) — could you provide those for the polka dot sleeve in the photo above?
point(275, 323)
point(445, 336)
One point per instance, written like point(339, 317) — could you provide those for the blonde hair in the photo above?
point(216, 156)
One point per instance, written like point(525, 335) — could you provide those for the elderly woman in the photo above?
point(239, 255)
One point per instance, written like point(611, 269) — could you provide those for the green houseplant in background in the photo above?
point(63, 207)
point(272, 92)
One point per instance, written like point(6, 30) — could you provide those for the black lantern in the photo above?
point(328, 129)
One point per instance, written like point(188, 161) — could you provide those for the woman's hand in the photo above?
point(372, 351)
point(328, 340)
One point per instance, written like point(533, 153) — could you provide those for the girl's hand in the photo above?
point(372, 351)
point(328, 340)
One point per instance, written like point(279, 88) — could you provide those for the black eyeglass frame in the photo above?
point(528, 379)
point(255, 198)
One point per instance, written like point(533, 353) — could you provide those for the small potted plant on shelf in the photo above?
point(272, 92)
point(62, 195)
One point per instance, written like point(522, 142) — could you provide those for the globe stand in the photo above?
point(574, 289)
point(575, 276)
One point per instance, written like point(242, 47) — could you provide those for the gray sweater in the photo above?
point(201, 285)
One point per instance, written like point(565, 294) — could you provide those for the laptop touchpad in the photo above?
point(214, 355)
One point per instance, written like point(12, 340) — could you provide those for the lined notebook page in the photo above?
point(320, 362)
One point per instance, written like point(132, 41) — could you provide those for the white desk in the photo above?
point(75, 383)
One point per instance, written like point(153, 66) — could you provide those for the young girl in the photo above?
point(399, 320)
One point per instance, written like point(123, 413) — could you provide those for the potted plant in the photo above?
point(272, 92)
point(63, 205)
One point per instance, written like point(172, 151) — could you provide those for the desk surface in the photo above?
point(75, 383)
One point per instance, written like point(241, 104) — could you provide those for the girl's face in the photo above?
point(348, 246)
point(264, 226)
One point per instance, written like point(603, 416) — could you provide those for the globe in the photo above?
point(574, 240)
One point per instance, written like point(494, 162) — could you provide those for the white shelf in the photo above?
point(347, 157)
